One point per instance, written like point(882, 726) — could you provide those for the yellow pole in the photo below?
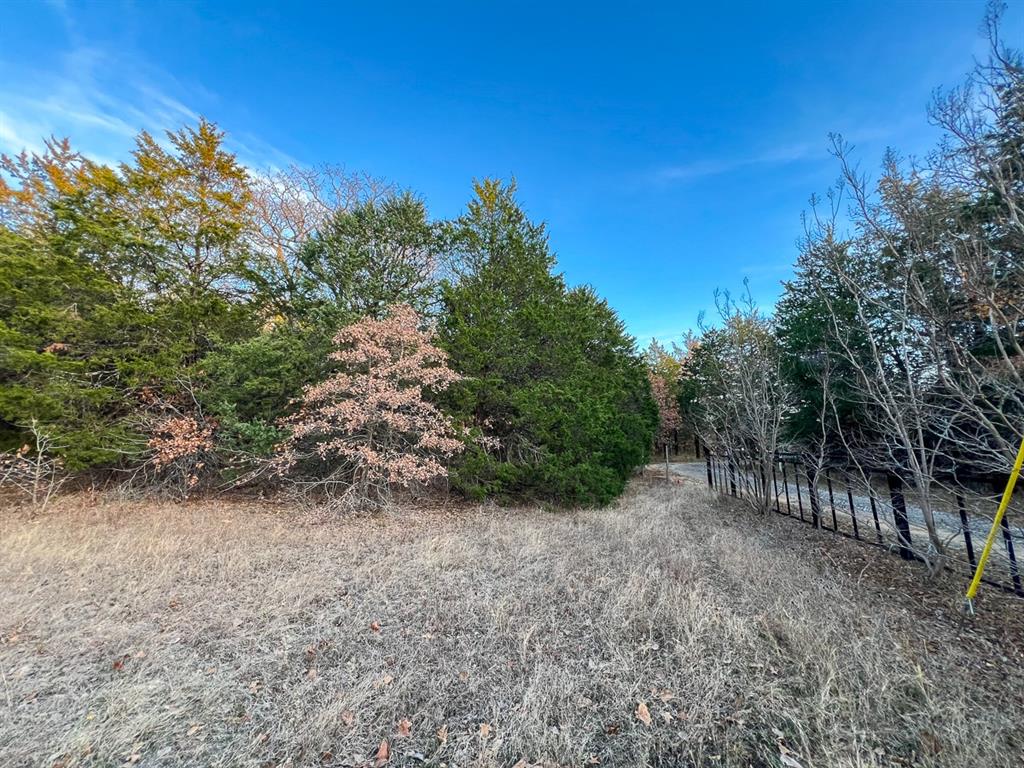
point(1003, 504)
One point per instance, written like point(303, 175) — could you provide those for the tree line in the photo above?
point(898, 345)
point(183, 323)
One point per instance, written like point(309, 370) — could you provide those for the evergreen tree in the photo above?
point(815, 322)
point(190, 203)
point(67, 334)
point(365, 259)
point(552, 380)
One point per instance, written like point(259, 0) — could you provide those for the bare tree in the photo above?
point(33, 470)
point(743, 397)
point(934, 274)
point(292, 204)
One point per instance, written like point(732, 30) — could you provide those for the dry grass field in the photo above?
point(669, 630)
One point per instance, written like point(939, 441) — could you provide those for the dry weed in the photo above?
point(662, 631)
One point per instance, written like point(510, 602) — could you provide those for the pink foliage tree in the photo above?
point(669, 418)
point(183, 448)
point(181, 451)
point(369, 426)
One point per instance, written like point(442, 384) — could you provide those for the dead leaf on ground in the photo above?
point(666, 695)
point(404, 728)
point(666, 716)
point(348, 717)
point(643, 714)
point(375, 625)
point(383, 754)
point(442, 734)
point(485, 730)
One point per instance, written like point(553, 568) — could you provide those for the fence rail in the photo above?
point(879, 509)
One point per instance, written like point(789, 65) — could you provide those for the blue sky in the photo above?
point(670, 150)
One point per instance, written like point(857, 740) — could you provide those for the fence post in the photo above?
point(764, 484)
point(796, 482)
point(707, 462)
point(1011, 555)
point(965, 528)
point(785, 484)
point(831, 500)
point(853, 511)
point(1014, 569)
point(775, 486)
point(732, 477)
point(874, 509)
point(899, 514)
point(812, 488)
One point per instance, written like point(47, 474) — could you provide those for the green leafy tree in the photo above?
point(372, 252)
point(250, 384)
point(115, 280)
point(67, 332)
point(30, 183)
point(816, 322)
point(191, 205)
point(366, 258)
point(553, 383)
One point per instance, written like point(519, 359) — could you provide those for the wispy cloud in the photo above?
point(88, 98)
point(81, 100)
point(861, 131)
point(697, 169)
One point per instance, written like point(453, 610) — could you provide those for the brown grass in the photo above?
point(234, 634)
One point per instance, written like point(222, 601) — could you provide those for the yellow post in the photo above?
point(1003, 504)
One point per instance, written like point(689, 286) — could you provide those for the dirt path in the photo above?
point(672, 629)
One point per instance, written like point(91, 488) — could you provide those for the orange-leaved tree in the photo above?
point(369, 427)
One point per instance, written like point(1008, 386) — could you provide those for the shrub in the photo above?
point(368, 428)
point(182, 452)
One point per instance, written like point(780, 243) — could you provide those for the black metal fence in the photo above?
point(879, 509)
